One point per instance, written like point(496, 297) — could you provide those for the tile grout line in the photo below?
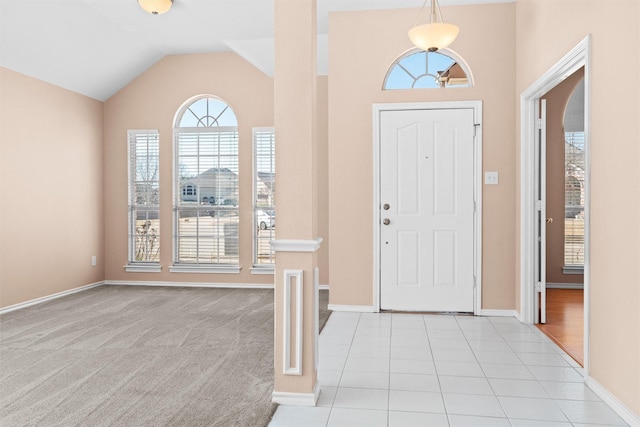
point(537, 381)
point(435, 368)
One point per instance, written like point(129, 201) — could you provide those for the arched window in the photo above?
point(418, 69)
point(206, 186)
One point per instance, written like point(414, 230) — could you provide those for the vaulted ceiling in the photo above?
point(96, 47)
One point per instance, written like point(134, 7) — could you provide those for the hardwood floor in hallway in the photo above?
point(565, 321)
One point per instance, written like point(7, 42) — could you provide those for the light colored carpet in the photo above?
point(140, 356)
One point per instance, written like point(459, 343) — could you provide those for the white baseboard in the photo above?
point(197, 285)
point(620, 408)
point(297, 399)
point(189, 284)
point(354, 308)
point(552, 285)
point(49, 297)
point(499, 313)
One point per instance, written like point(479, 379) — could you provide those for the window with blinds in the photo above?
point(144, 197)
point(206, 185)
point(264, 190)
point(574, 200)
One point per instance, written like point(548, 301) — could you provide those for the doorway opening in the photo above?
point(563, 167)
point(535, 219)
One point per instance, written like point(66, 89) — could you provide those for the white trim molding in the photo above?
point(270, 270)
point(569, 64)
point(294, 245)
point(552, 285)
point(352, 308)
point(620, 408)
point(294, 368)
point(143, 268)
point(498, 313)
point(297, 399)
point(206, 269)
point(578, 57)
point(573, 269)
point(190, 284)
point(316, 316)
point(49, 297)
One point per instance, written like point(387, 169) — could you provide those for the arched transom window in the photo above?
point(207, 112)
point(418, 69)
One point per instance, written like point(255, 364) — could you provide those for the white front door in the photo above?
point(427, 210)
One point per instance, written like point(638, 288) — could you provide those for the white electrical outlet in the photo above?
point(491, 178)
point(94, 260)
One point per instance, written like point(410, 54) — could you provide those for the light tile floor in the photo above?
point(381, 369)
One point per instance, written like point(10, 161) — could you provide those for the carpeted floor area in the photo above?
point(141, 356)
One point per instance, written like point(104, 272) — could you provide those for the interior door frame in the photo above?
point(578, 57)
point(476, 106)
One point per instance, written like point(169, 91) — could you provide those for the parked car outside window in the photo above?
point(264, 220)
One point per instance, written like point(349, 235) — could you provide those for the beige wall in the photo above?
point(151, 102)
point(547, 30)
point(51, 216)
point(557, 99)
point(362, 45)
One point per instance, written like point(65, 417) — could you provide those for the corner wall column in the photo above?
point(295, 246)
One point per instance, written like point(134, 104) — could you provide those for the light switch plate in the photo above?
point(491, 178)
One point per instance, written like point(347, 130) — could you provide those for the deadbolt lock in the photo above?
point(386, 206)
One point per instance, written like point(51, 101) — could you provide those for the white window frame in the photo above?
point(445, 52)
point(198, 267)
point(261, 268)
point(573, 267)
point(134, 137)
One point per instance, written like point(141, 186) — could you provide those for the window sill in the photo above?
point(207, 269)
point(263, 270)
point(572, 269)
point(143, 268)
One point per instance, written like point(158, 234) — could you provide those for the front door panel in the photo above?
point(427, 234)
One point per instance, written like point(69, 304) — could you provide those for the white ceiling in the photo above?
point(96, 47)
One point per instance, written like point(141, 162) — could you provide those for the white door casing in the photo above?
point(427, 192)
point(540, 299)
point(579, 56)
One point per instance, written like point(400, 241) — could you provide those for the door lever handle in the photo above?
point(386, 221)
point(549, 220)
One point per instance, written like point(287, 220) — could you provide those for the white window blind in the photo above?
point(206, 186)
point(144, 197)
point(264, 191)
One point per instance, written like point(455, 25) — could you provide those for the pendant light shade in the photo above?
point(155, 7)
point(434, 35)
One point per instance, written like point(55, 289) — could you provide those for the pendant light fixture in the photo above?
point(155, 7)
point(434, 35)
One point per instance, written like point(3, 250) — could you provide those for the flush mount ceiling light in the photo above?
point(155, 7)
point(434, 35)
